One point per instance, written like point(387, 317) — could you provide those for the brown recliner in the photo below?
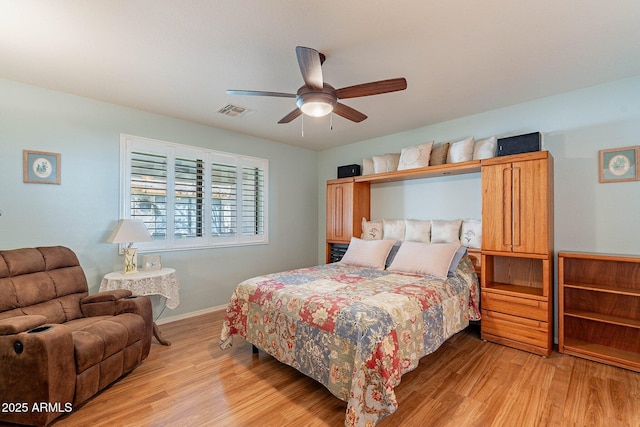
point(58, 345)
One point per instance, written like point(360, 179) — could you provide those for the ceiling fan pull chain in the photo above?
point(302, 117)
point(331, 121)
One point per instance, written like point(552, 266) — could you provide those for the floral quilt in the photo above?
point(354, 330)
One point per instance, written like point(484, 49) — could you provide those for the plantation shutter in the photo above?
point(148, 191)
point(224, 201)
point(188, 198)
point(252, 201)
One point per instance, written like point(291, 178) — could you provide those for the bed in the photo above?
point(356, 327)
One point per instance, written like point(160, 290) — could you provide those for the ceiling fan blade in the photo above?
point(349, 113)
point(373, 88)
point(260, 93)
point(310, 63)
point(289, 117)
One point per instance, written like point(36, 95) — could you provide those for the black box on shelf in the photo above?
point(348, 170)
point(518, 144)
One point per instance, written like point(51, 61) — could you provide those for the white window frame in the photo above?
point(129, 143)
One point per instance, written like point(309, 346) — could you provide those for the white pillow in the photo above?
point(392, 161)
point(485, 148)
point(461, 151)
point(367, 253)
point(471, 233)
point(417, 230)
point(415, 157)
point(445, 231)
point(371, 230)
point(424, 258)
point(393, 229)
point(379, 164)
point(367, 166)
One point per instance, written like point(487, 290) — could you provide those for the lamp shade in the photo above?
point(130, 231)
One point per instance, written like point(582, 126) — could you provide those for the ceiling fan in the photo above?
point(317, 98)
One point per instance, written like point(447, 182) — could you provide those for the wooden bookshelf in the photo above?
point(599, 307)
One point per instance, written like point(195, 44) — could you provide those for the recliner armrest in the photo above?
point(37, 366)
point(17, 324)
point(113, 295)
point(103, 303)
point(140, 305)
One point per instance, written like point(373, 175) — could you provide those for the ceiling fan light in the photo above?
point(314, 103)
point(316, 108)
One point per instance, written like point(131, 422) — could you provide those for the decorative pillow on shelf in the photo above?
point(367, 253)
point(417, 230)
point(485, 148)
point(439, 154)
point(445, 231)
point(393, 229)
point(367, 166)
point(415, 157)
point(379, 164)
point(471, 233)
point(392, 161)
point(424, 259)
point(461, 151)
point(371, 230)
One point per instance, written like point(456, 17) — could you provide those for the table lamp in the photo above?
point(130, 231)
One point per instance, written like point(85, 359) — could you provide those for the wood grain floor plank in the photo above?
point(467, 382)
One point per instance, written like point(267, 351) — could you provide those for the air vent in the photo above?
point(235, 111)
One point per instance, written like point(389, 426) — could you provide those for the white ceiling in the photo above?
point(177, 57)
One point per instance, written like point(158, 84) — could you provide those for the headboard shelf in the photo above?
point(471, 166)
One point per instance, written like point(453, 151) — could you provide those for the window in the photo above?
point(190, 197)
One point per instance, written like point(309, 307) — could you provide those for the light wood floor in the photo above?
point(467, 382)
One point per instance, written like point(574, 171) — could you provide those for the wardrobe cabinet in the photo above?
point(516, 207)
point(347, 203)
point(517, 251)
point(599, 307)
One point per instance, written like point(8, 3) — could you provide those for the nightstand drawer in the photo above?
point(529, 331)
point(521, 307)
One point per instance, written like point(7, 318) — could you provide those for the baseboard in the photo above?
point(191, 314)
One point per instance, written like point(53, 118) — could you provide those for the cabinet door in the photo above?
point(339, 212)
point(497, 219)
point(515, 207)
point(531, 207)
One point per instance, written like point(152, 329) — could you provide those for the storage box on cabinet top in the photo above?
point(518, 144)
point(348, 170)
